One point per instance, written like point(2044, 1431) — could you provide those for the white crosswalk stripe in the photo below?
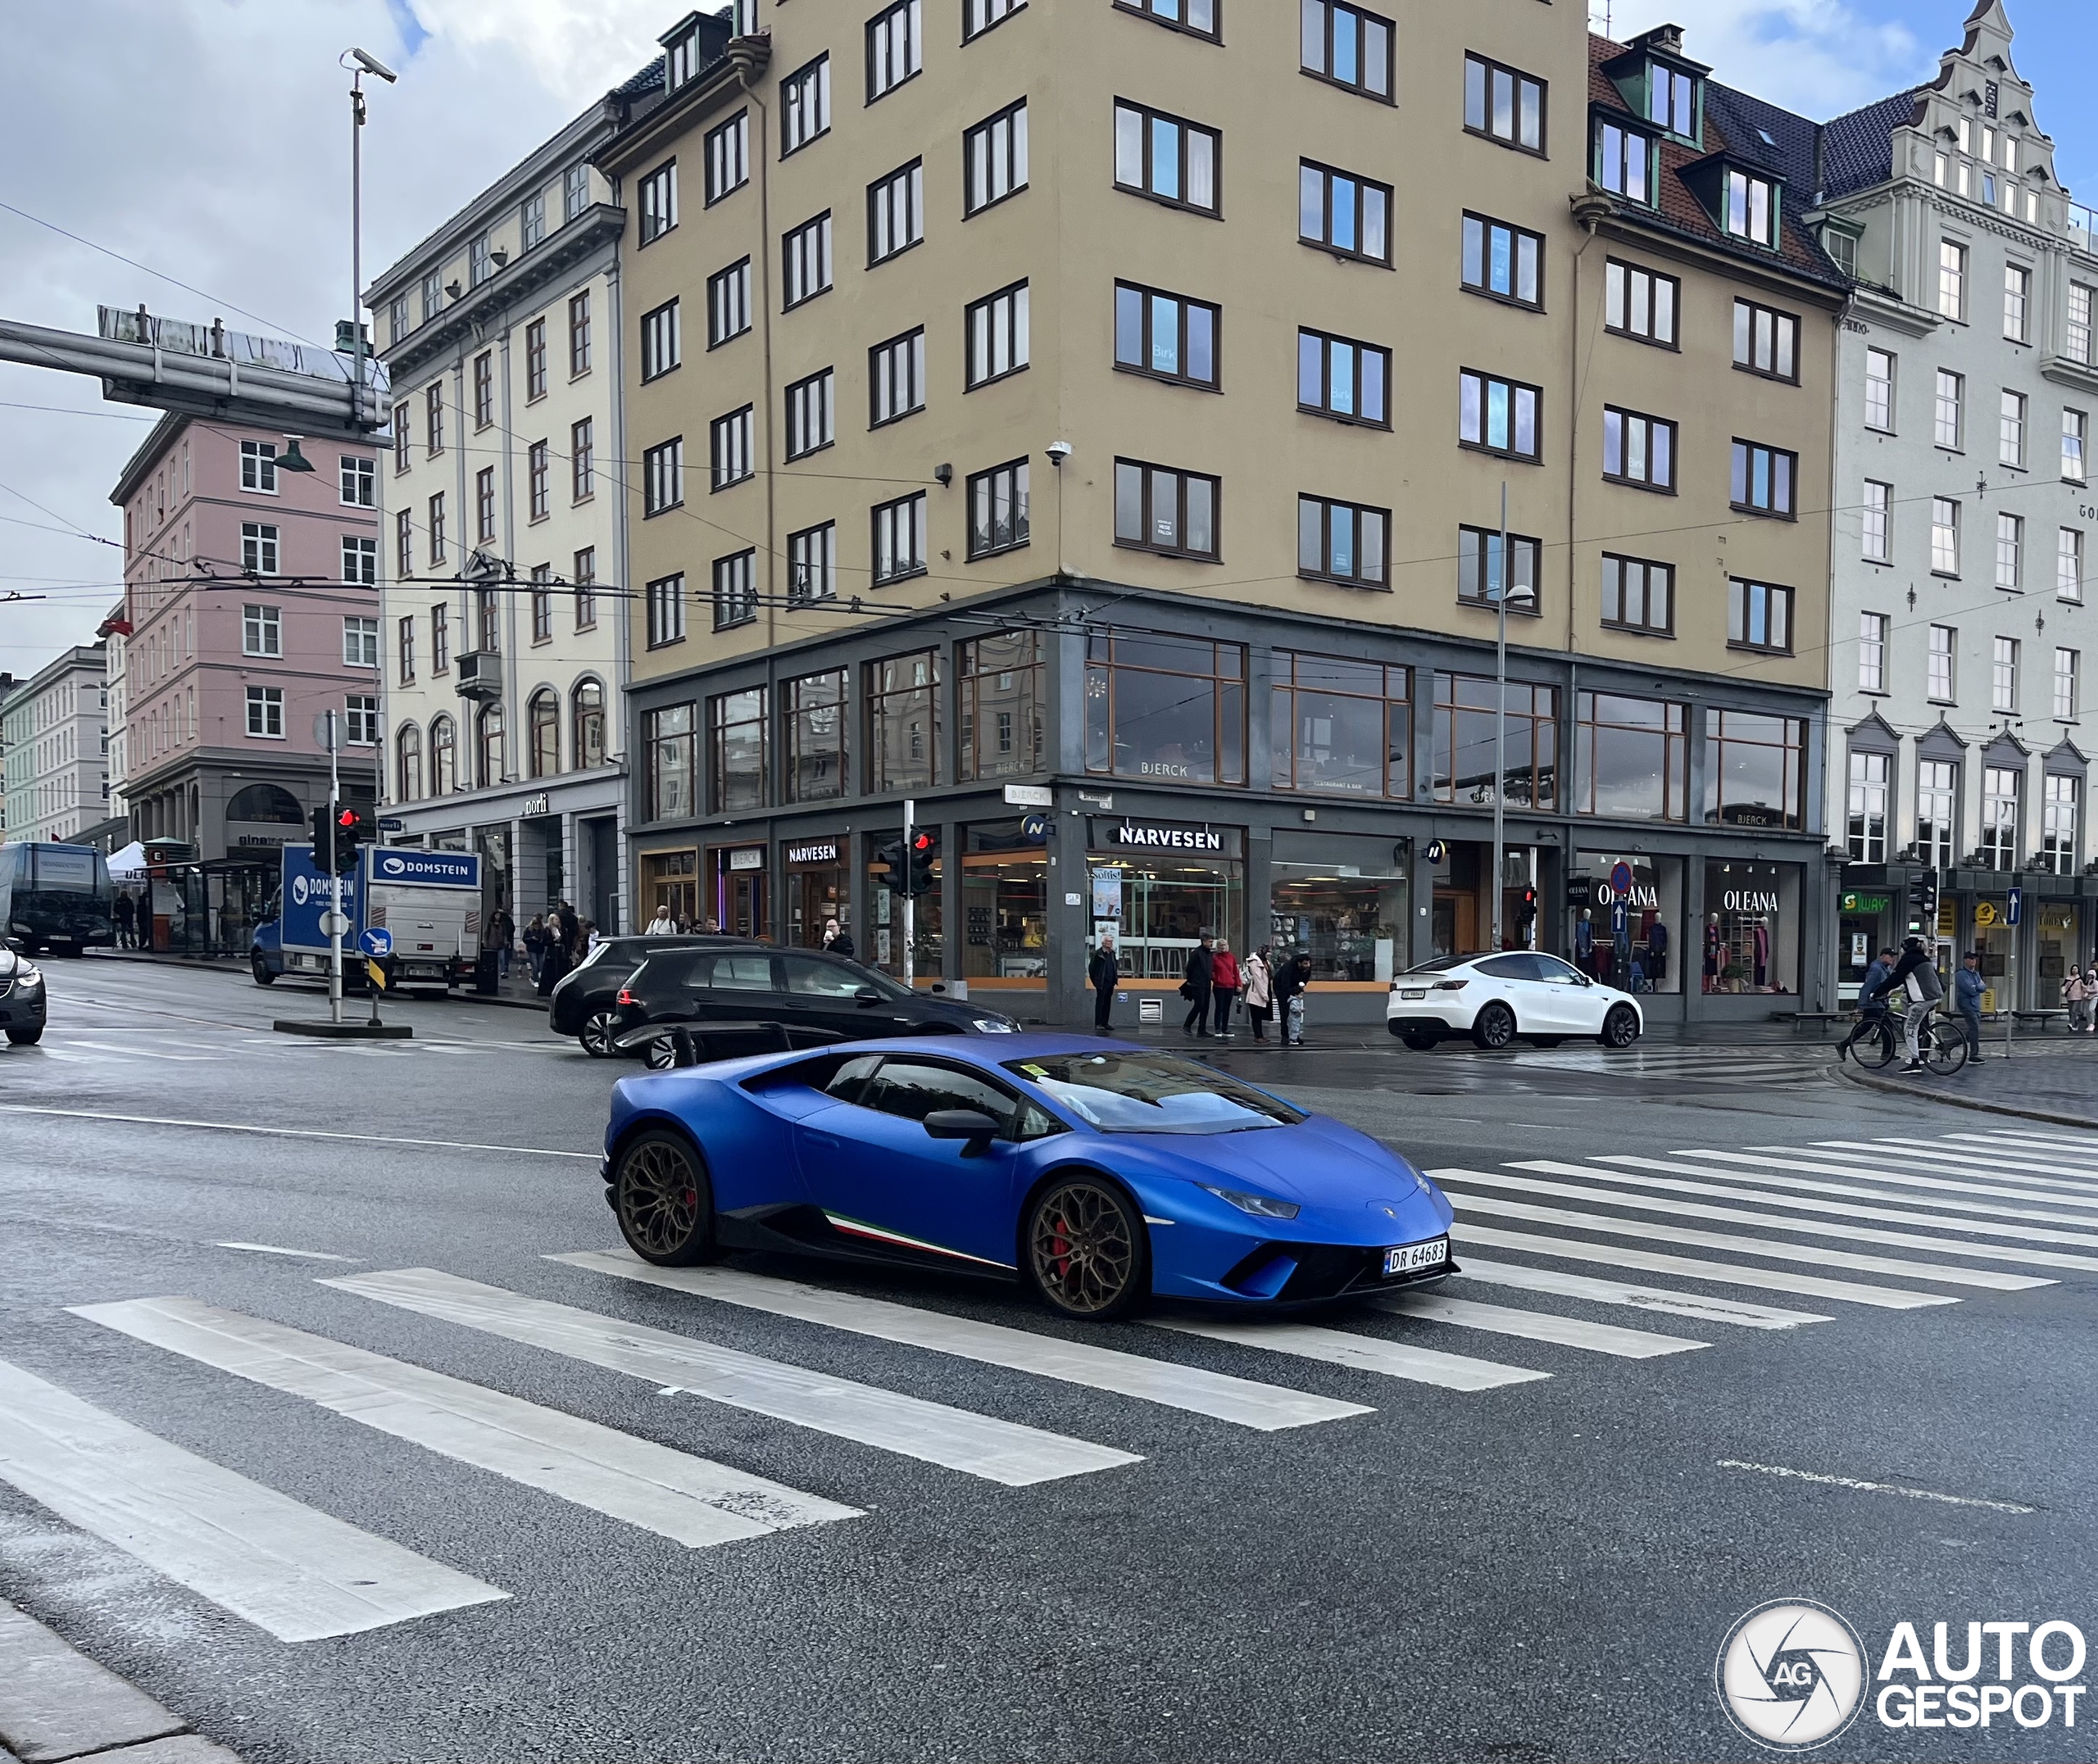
point(1536, 1326)
point(688, 1499)
point(1720, 1066)
point(1266, 1407)
point(1000, 1451)
point(1668, 1301)
point(1924, 1187)
point(1368, 1353)
point(286, 1568)
point(2012, 1162)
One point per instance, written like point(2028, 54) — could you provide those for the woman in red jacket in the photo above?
point(1223, 987)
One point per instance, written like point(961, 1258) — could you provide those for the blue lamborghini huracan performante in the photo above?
point(1098, 1174)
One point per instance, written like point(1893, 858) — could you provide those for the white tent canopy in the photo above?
point(129, 864)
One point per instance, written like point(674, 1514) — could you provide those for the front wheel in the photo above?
point(1494, 1028)
point(1876, 1051)
point(260, 969)
point(664, 1200)
point(1946, 1051)
point(26, 1038)
point(596, 1035)
point(1620, 1027)
point(660, 1054)
point(1085, 1250)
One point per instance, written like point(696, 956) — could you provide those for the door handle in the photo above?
point(825, 1141)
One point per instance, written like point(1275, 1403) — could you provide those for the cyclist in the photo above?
point(1915, 979)
point(1871, 1003)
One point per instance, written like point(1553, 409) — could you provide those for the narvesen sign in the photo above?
point(1167, 838)
point(813, 851)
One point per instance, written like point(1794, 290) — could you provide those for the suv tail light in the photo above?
point(1451, 985)
point(626, 996)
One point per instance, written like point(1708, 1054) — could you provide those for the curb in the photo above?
point(55, 1703)
point(1895, 1087)
point(230, 966)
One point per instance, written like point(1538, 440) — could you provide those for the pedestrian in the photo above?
point(842, 945)
point(662, 925)
point(713, 925)
point(2090, 996)
point(1967, 1000)
point(1223, 987)
point(1104, 971)
point(127, 916)
point(587, 936)
point(1290, 981)
point(1872, 1002)
point(1258, 991)
point(535, 945)
point(1915, 979)
point(1195, 985)
point(2076, 994)
point(502, 937)
point(561, 948)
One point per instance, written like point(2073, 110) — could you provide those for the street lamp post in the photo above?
point(365, 63)
point(1504, 588)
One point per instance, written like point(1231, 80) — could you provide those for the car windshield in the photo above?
point(1151, 1093)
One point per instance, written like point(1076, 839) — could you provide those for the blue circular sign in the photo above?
point(377, 943)
point(1620, 876)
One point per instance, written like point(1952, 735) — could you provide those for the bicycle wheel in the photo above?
point(1877, 1049)
point(1945, 1051)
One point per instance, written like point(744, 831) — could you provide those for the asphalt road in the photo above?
point(1482, 1562)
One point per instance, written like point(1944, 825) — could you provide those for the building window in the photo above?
point(728, 303)
point(809, 414)
point(1167, 336)
point(543, 603)
point(258, 467)
point(432, 294)
point(1763, 478)
point(1951, 280)
point(1348, 46)
point(663, 476)
point(2069, 563)
point(2066, 668)
point(1340, 728)
point(1879, 390)
point(1641, 303)
point(261, 631)
point(895, 47)
point(362, 719)
point(735, 590)
point(266, 712)
point(487, 608)
point(1343, 378)
point(585, 582)
point(659, 201)
point(1639, 450)
point(1168, 708)
point(1937, 795)
point(2059, 845)
point(666, 610)
point(578, 334)
point(537, 485)
point(1165, 158)
point(401, 436)
point(997, 329)
point(895, 212)
point(805, 105)
point(2075, 428)
point(735, 741)
point(484, 389)
point(440, 639)
point(1461, 763)
point(1478, 570)
point(1752, 210)
point(1755, 769)
point(903, 723)
point(1638, 595)
point(361, 561)
point(812, 724)
point(1759, 616)
point(807, 255)
point(2010, 430)
point(1868, 805)
point(979, 15)
point(542, 734)
point(998, 509)
point(574, 191)
point(659, 351)
point(484, 506)
point(728, 158)
point(1504, 105)
point(729, 448)
point(586, 725)
point(398, 322)
point(1498, 416)
point(1944, 643)
point(812, 563)
point(2010, 549)
point(535, 360)
point(358, 483)
point(2017, 298)
point(1158, 509)
point(994, 159)
point(2003, 674)
point(437, 529)
point(258, 548)
point(583, 460)
point(1944, 537)
point(1503, 262)
point(2077, 335)
point(900, 539)
point(1876, 518)
point(1001, 706)
point(1347, 215)
point(1766, 340)
point(1339, 542)
point(408, 764)
point(404, 544)
point(2001, 793)
point(480, 261)
point(1671, 99)
point(1196, 17)
point(669, 734)
point(1625, 162)
point(1633, 757)
point(896, 378)
point(1949, 405)
point(1871, 652)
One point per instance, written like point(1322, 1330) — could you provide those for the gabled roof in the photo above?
point(1857, 148)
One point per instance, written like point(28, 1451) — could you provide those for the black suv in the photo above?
point(585, 1000)
point(799, 989)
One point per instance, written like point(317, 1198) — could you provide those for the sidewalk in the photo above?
point(517, 992)
point(2052, 1079)
point(56, 1703)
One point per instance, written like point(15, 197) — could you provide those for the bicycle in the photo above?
point(1942, 1044)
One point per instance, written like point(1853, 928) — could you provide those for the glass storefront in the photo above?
point(1646, 956)
point(1004, 906)
point(736, 899)
point(2057, 943)
point(1345, 902)
point(670, 883)
point(1751, 931)
point(884, 947)
point(1159, 887)
point(1865, 925)
point(816, 897)
point(1461, 909)
point(1991, 933)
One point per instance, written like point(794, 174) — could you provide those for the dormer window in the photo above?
point(683, 60)
point(1625, 162)
point(1672, 99)
point(1752, 208)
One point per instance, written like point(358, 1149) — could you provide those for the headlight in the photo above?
point(1261, 1206)
point(27, 976)
point(994, 1025)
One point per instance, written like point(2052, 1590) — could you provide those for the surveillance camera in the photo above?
point(372, 65)
point(1059, 451)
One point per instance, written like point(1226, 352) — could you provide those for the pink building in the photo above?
point(252, 595)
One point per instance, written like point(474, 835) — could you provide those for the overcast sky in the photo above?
point(207, 140)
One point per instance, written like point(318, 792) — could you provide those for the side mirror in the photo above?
point(868, 996)
point(970, 1125)
point(939, 985)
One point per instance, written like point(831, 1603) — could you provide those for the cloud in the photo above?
point(1819, 57)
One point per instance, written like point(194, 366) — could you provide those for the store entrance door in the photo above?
point(815, 898)
point(1456, 921)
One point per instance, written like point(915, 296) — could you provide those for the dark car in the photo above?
point(21, 998)
point(585, 1000)
point(821, 996)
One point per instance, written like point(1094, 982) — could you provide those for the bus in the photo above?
point(56, 897)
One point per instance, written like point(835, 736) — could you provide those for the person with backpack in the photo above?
point(1915, 979)
point(1291, 979)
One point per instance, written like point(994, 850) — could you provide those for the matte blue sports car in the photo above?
point(1098, 1173)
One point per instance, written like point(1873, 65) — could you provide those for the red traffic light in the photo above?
point(346, 819)
point(923, 842)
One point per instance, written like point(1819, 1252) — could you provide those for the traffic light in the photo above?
point(1526, 911)
point(924, 849)
point(323, 839)
point(351, 829)
point(1922, 899)
point(889, 855)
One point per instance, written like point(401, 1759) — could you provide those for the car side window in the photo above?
point(1558, 973)
point(850, 1084)
point(1509, 968)
point(809, 976)
point(1037, 1123)
point(742, 973)
point(915, 1089)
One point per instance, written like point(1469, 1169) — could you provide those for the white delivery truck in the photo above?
point(430, 901)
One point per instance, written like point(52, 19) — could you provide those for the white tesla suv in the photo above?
point(1494, 999)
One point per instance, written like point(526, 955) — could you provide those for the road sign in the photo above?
point(1620, 878)
point(377, 942)
point(1617, 918)
point(377, 975)
point(391, 823)
point(2017, 904)
point(334, 924)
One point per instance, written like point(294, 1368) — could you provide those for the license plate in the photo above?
point(1408, 1257)
point(1414, 993)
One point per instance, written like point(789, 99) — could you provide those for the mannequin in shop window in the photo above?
point(1712, 954)
point(1657, 952)
point(1584, 944)
point(1762, 954)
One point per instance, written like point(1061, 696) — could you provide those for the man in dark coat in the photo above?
point(1104, 971)
point(1195, 988)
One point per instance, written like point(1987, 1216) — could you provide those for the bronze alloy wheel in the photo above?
point(664, 1201)
point(1087, 1251)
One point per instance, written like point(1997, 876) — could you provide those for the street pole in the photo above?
point(356, 246)
point(909, 900)
point(335, 875)
point(1501, 714)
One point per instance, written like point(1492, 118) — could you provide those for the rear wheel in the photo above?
point(1494, 1028)
point(260, 969)
point(664, 1200)
point(596, 1035)
point(1418, 1040)
point(1875, 1050)
point(1945, 1050)
point(660, 1055)
point(1085, 1249)
point(26, 1038)
point(1620, 1027)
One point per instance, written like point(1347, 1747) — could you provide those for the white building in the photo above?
point(1962, 633)
point(54, 729)
point(501, 708)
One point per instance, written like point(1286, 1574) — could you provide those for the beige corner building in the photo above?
point(1090, 424)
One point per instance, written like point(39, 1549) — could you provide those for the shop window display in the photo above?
point(882, 944)
point(670, 882)
point(1340, 728)
point(1158, 904)
point(1168, 708)
point(1751, 929)
point(1647, 957)
point(1346, 903)
point(1004, 898)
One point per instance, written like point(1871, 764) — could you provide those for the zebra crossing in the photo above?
point(1718, 1067)
point(148, 1047)
point(1566, 1267)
